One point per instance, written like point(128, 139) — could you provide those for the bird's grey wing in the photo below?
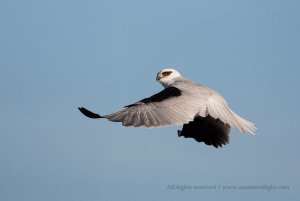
point(171, 106)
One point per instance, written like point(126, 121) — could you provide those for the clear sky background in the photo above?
point(58, 55)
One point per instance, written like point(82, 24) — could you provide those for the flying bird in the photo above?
point(203, 112)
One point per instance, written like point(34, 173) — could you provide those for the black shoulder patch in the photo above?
point(208, 130)
point(161, 96)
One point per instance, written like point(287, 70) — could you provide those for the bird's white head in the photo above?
point(167, 76)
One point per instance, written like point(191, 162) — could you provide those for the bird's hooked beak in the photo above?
point(158, 77)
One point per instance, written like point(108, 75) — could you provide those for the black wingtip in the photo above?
point(89, 114)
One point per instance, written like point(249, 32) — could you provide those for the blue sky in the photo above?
point(58, 55)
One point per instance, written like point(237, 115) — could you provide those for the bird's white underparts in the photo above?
point(203, 112)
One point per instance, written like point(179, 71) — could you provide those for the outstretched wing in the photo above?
point(171, 106)
point(177, 106)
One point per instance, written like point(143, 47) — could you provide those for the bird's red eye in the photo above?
point(167, 73)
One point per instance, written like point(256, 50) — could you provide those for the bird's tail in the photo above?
point(243, 125)
point(225, 114)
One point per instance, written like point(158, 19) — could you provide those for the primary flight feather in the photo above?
point(203, 112)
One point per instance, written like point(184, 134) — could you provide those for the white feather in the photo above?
point(195, 100)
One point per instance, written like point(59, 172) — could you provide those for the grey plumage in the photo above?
point(183, 102)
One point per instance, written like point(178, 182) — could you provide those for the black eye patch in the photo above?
point(167, 73)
